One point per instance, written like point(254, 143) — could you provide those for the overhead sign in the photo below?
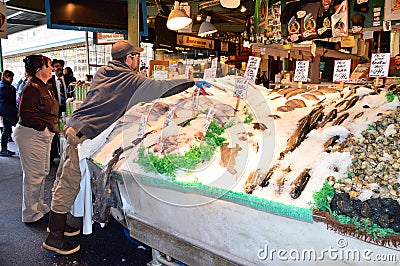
point(3, 21)
point(301, 71)
point(341, 72)
point(108, 38)
point(379, 65)
point(186, 40)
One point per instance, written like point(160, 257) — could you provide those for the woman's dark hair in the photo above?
point(35, 62)
point(7, 74)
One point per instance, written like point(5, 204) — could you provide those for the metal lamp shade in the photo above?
point(206, 27)
point(178, 19)
point(230, 3)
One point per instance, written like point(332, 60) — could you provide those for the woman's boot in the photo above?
point(55, 240)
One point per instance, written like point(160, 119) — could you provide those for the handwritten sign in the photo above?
point(195, 100)
point(209, 118)
point(301, 71)
point(241, 86)
point(214, 63)
point(170, 115)
point(379, 65)
point(142, 125)
point(209, 73)
point(341, 72)
point(252, 68)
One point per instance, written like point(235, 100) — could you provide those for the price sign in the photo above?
point(209, 73)
point(301, 71)
point(170, 115)
point(379, 65)
point(241, 87)
point(209, 118)
point(252, 68)
point(214, 63)
point(341, 72)
point(195, 99)
point(142, 125)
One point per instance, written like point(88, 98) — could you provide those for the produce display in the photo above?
point(287, 151)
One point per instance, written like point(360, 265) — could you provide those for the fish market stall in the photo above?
point(211, 179)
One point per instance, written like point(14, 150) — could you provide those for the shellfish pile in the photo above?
point(374, 172)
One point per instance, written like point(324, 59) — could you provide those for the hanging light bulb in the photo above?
point(230, 3)
point(206, 27)
point(243, 9)
point(178, 19)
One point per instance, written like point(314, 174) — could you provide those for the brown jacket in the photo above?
point(38, 108)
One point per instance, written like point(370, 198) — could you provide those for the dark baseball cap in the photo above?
point(123, 48)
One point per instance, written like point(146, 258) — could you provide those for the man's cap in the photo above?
point(123, 48)
point(58, 61)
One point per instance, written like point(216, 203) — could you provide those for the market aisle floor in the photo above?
point(21, 244)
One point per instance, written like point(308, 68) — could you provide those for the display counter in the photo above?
point(248, 200)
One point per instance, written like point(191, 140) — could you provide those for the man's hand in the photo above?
point(202, 83)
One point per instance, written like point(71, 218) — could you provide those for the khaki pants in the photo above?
point(34, 151)
point(67, 184)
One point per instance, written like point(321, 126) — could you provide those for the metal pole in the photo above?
point(87, 50)
point(1, 58)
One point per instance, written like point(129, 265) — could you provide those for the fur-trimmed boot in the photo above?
point(55, 240)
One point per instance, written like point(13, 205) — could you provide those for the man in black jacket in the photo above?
point(8, 110)
point(60, 88)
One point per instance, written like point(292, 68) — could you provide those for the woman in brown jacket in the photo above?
point(38, 122)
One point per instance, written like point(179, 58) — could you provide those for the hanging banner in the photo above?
point(301, 71)
point(340, 21)
point(315, 19)
point(392, 10)
point(3, 21)
point(379, 65)
point(341, 71)
point(252, 68)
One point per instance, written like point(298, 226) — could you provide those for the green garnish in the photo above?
point(168, 164)
point(322, 198)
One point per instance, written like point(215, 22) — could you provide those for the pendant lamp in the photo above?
point(178, 19)
point(230, 3)
point(207, 28)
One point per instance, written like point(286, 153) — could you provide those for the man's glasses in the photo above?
point(134, 55)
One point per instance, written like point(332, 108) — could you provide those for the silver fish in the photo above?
point(340, 119)
point(351, 102)
point(252, 181)
point(331, 115)
point(298, 185)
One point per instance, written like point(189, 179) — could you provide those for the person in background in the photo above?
point(395, 70)
point(114, 88)
point(38, 122)
point(21, 84)
point(143, 71)
point(69, 73)
point(8, 110)
point(59, 86)
point(88, 78)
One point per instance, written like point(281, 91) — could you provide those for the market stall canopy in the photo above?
point(24, 14)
